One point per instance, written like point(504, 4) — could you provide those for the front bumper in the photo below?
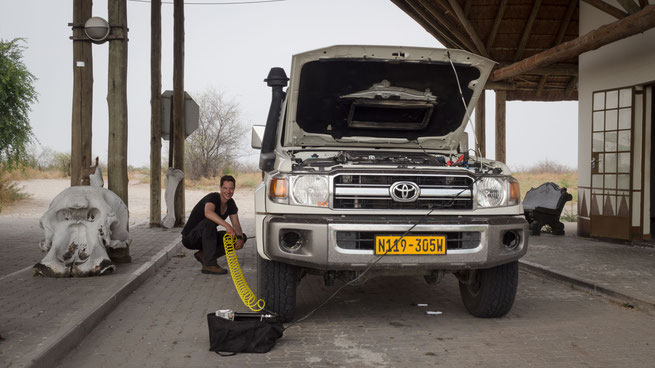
point(325, 242)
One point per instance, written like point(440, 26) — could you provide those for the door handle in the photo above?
point(595, 161)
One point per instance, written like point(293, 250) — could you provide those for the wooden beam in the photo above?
point(547, 88)
point(464, 41)
point(573, 4)
point(526, 86)
point(626, 27)
point(540, 86)
point(553, 69)
point(501, 102)
point(418, 17)
point(556, 69)
point(512, 49)
point(82, 116)
point(571, 87)
point(480, 126)
point(629, 5)
point(448, 30)
point(607, 8)
point(500, 86)
point(178, 106)
point(548, 96)
point(155, 113)
point(497, 21)
point(117, 100)
point(527, 30)
point(469, 28)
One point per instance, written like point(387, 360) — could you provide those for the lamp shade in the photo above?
point(97, 29)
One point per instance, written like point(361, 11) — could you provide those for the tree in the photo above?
point(217, 142)
point(17, 93)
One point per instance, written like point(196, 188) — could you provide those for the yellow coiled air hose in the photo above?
point(247, 296)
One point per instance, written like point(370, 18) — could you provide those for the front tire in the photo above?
point(490, 293)
point(276, 284)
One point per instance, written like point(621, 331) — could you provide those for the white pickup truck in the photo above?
point(367, 172)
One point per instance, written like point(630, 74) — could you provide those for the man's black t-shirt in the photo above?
point(198, 212)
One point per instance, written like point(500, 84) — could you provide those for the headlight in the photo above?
point(497, 192)
point(309, 190)
point(304, 190)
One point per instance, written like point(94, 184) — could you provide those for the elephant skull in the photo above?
point(81, 226)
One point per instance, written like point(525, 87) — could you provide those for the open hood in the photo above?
point(382, 97)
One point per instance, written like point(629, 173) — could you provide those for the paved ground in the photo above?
point(40, 316)
point(163, 324)
point(626, 272)
point(19, 249)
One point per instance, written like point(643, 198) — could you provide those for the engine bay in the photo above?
point(392, 159)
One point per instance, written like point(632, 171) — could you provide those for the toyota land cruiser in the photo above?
point(367, 171)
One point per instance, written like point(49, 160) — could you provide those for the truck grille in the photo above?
point(374, 192)
point(358, 240)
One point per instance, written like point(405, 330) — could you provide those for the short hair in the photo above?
point(225, 178)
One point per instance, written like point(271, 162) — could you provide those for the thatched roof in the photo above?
point(509, 31)
point(535, 42)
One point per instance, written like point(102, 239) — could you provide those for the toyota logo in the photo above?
point(404, 191)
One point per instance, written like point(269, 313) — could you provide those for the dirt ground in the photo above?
point(43, 191)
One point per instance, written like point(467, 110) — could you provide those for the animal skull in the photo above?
point(81, 225)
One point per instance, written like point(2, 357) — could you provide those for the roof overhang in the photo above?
point(535, 43)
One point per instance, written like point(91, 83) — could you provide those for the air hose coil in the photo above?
point(247, 296)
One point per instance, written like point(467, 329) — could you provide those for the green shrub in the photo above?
point(62, 162)
point(8, 191)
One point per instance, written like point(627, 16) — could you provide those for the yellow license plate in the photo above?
point(410, 244)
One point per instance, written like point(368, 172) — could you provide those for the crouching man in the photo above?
point(201, 233)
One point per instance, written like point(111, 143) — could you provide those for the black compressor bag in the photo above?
point(248, 335)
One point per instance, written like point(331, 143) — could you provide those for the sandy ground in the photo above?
point(43, 191)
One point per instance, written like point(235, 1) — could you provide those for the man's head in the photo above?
point(225, 178)
point(227, 187)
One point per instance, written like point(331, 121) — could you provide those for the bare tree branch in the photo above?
point(217, 143)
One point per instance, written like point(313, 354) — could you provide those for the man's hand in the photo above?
point(239, 244)
point(230, 230)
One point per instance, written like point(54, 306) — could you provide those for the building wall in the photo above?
point(625, 63)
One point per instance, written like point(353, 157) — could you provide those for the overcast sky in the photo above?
point(231, 48)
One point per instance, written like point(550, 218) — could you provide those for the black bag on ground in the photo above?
point(245, 336)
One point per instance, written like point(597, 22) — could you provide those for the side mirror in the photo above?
point(257, 136)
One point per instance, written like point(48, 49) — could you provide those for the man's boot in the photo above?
point(213, 270)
